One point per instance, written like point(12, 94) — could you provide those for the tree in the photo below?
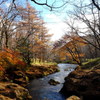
point(31, 35)
point(28, 27)
point(96, 4)
point(22, 30)
point(55, 2)
point(7, 19)
point(41, 41)
point(52, 5)
point(74, 48)
point(71, 48)
point(26, 50)
point(89, 17)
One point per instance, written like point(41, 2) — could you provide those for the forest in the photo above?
point(28, 53)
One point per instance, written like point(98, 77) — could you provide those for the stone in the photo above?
point(53, 82)
point(73, 98)
point(83, 83)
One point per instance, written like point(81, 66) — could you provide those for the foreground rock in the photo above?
point(83, 83)
point(11, 91)
point(53, 82)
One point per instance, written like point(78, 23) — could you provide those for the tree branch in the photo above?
point(50, 6)
point(96, 5)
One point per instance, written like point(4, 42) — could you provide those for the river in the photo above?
point(40, 89)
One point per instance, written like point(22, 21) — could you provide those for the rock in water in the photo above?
point(53, 82)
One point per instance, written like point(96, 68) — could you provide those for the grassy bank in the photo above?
point(91, 63)
point(43, 63)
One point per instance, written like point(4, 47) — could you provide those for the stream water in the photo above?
point(40, 89)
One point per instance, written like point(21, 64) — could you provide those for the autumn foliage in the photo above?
point(22, 29)
point(10, 59)
point(71, 49)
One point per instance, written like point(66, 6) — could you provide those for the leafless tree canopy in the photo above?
point(64, 3)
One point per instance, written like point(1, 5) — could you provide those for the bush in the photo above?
point(1, 71)
point(10, 59)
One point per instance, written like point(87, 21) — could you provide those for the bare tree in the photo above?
point(90, 17)
point(7, 20)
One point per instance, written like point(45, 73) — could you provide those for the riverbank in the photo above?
point(13, 83)
point(83, 82)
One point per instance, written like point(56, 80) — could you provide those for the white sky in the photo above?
point(7, 4)
point(55, 26)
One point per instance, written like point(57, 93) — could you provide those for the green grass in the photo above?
point(90, 63)
point(44, 63)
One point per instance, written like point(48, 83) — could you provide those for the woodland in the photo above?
point(27, 53)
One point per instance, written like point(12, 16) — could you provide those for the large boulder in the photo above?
point(11, 91)
point(83, 83)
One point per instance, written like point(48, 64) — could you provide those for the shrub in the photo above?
point(2, 70)
point(10, 59)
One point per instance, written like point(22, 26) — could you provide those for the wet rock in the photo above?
point(53, 82)
point(11, 91)
point(83, 83)
point(73, 98)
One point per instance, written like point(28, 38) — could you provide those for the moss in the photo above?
point(90, 63)
point(43, 63)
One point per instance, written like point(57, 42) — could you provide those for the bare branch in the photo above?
point(50, 6)
point(95, 4)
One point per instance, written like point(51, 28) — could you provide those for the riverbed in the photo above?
point(40, 89)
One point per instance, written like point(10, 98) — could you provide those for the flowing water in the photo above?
point(40, 89)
